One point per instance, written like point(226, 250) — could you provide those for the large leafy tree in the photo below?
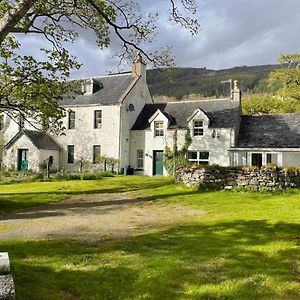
point(289, 76)
point(282, 90)
point(32, 87)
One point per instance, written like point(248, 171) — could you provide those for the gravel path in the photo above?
point(94, 216)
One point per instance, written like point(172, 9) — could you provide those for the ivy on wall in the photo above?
point(174, 158)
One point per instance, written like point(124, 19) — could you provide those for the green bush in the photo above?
point(38, 177)
point(67, 176)
point(91, 176)
point(74, 176)
point(106, 174)
point(7, 177)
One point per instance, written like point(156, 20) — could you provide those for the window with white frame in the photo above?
point(87, 87)
point(97, 118)
point(96, 153)
point(272, 158)
point(140, 158)
point(197, 128)
point(198, 157)
point(71, 119)
point(159, 128)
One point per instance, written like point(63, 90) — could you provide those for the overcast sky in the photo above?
point(233, 33)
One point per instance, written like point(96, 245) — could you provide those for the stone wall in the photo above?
point(226, 177)
point(7, 287)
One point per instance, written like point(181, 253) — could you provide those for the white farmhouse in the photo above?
point(116, 117)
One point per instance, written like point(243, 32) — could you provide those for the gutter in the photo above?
point(266, 149)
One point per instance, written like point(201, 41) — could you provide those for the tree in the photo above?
point(269, 104)
point(289, 76)
point(33, 87)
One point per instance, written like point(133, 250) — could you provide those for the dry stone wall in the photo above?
point(226, 177)
point(7, 287)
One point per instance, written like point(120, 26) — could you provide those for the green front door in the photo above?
point(23, 160)
point(158, 164)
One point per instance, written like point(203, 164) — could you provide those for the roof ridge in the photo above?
point(100, 76)
point(198, 100)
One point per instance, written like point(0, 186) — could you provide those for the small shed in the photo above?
point(29, 150)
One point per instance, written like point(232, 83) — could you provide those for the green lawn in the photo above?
point(246, 246)
point(14, 197)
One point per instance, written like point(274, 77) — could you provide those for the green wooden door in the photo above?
point(23, 160)
point(158, 164)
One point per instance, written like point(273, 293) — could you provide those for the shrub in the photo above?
point(38, 177)
point(67, 176)
point(91, 176)
point(106, 174)
point(74, 176)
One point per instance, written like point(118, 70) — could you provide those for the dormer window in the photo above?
point(87, 87)
point(159, 128)
point(91, 86)
point(197, 128)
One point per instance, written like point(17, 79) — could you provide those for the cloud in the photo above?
point(233, 33)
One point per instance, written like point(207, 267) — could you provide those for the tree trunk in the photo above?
point(13, 16)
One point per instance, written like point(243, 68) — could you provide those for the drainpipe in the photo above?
point(120, 136)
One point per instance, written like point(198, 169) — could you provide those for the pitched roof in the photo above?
point(38, 138)
point(270, 131)
point(112, 89)
point(223, 113)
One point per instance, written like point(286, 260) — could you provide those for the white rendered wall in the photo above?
point(217, 147)
point(11, 127)
point(291, 159)
point(10, 156)
point(138, 96)
point(44, 156)
point(284, 159)
point(84, 136)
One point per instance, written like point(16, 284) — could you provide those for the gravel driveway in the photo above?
point(94, 216)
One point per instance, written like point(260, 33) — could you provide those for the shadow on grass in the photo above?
point(117, 185)
point(15, 201)
point(61, 208)
point(229, 260)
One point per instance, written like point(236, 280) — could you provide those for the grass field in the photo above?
point(246, 246)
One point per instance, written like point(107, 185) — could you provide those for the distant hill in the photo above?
point(181, 82)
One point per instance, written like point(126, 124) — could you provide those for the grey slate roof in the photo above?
point(270, 131)
point(223, 113)
point(40, 139)
point(112, 89)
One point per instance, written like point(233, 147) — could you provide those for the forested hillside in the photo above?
point(181, 82)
